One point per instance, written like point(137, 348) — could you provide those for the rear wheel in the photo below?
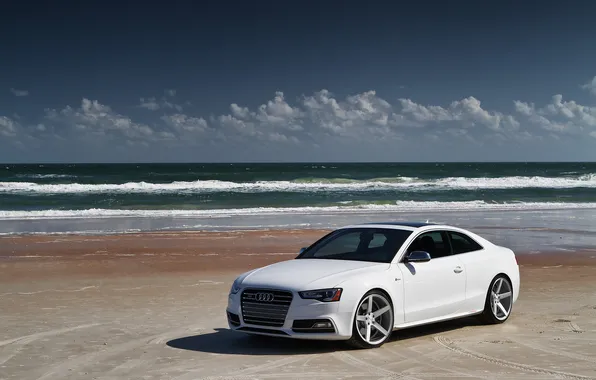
point(373, 322)
point(499, 301)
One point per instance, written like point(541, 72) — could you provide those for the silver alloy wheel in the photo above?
point(374, 319)
point(501, 298)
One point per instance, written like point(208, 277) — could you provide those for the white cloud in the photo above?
point(8, 127)
point(567, 117)
point(184, 123)
point(166, 104)
point(321, 119)
point(155, 104)
point(16, 92)
point(590, 86)
point(275, 120)
point(240, 112)
point(94, 118)
point(362, 115)
point(150, 104)
point(467, 112)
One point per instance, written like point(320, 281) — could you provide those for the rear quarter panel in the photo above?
point(482, 267)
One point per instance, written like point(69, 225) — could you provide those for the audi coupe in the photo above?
point(361, 282)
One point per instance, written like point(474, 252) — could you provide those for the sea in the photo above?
point(105, 198)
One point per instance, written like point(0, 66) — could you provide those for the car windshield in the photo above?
point(361, 244)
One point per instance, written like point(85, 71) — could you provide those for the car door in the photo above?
point(436, 288)
point(477, 262)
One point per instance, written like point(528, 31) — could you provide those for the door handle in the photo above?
point(458, 270)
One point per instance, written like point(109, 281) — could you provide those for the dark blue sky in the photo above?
point(429, 64)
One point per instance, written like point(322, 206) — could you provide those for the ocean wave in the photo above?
point(399, 206)
point(45, 176)
point(309, 185)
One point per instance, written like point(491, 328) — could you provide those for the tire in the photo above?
point(376, 326)
point(498, 311)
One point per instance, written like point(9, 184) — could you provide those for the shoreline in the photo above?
point(24, 258)
point(578, 221)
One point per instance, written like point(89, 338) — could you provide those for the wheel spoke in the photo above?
point(500, 283)
point(504, 295)
point(380, 328)
point(381, 311)
point(494, 307)
point(370, 304)
point(500, 306)
point(368, 330)
point(361, 318)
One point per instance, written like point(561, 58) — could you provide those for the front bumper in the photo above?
point(305, 319)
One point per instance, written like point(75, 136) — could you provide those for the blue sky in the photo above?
point(297, 81)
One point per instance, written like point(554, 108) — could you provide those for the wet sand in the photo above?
point(151, 306)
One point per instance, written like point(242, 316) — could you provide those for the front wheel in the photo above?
point(373, 322)
point(499, 301)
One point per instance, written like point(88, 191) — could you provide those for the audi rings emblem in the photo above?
point(264, 297)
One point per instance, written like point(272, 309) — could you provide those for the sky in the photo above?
point(235, 81)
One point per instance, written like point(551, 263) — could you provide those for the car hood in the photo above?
point(305, 274)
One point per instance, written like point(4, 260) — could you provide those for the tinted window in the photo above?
point(362, 244)
point(433, 242)
point(461, 243)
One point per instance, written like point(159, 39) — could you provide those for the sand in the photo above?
point(152, 306)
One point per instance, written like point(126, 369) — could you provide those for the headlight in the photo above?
point(323, 295)
point(235, 287)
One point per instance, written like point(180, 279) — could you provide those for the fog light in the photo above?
point(322, 325)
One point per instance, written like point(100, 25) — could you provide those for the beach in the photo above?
point(122, 271)
point(151, 305)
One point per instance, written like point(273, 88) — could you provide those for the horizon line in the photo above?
point(285, 162)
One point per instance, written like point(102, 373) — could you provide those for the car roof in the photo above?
point(411, 226)
point(406, 224)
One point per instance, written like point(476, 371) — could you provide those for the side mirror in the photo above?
point(302, 250)
point(417, 257)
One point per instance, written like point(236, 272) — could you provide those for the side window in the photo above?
point(433, 242)
point(461, 243)
point(377, 241)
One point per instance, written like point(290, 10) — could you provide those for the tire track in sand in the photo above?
point(22, 341)
point(62, 369)
point(407, 353)
point(372, 369)
point(573, 327)
point(247, 372)
point(299, 375)
point(539, 347)
point(450, 345)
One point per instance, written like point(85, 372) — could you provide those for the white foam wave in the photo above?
point(398, 183)
point(45, 176)
point(399, 206)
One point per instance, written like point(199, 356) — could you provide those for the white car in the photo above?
point(361, 282)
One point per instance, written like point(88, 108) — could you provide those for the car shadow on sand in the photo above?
point(225, 341)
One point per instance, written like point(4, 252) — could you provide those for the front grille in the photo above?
point(265, 307)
